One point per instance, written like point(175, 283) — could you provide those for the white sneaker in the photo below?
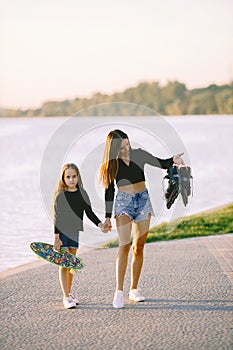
point(134, 295)
point(118, 300)
point(68, 303)
point(74, 299)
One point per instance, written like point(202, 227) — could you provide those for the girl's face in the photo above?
point(71, 179)
point(125, 147)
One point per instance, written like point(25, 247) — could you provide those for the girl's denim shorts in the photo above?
point(136, 205)
point(68, 241)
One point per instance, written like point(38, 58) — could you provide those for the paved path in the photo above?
point(187, 283)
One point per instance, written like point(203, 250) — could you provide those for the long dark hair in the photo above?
point(112, 149)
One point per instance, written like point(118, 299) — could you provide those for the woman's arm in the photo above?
point(178, 160)
point(162, 163)
point(109, 198)
point(148, 158)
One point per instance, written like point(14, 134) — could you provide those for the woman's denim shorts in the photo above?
point(136, 205)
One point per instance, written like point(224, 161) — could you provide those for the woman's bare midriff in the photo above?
point(133, 188)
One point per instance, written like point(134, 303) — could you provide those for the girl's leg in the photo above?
point(64, 281)
point(70, 276)
point(141, 232)
point(66, 277)
point(124, 227)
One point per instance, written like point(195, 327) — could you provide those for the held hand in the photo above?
point(107, 225)
point(178, 160)
point(102, 227)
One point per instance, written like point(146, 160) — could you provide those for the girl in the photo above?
point(70, 202)
point(132, 204)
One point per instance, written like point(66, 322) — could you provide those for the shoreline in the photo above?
point(35, 263)
point(20, 268)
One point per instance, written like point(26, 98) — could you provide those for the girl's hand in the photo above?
point(57, 243)
point(178, 160)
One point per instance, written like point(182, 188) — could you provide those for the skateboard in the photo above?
point(61, 258)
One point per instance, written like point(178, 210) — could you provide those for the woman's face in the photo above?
point(125, 147)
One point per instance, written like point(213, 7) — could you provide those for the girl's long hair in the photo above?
point(112, 149)
point(61, 183)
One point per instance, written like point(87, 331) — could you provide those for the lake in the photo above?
point(33, 150)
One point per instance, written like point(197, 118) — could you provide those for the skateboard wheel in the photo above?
point(73, 271)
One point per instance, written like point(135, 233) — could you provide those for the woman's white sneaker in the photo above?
point(118, 300)
point(68, 303)
point(134, 295)
point(75, 299)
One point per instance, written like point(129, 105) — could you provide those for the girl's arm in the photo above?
point(91, 215)
point(57, 242)
point(88, 209)
point(57, 213)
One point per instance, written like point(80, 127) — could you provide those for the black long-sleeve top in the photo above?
point(132, 173)
point(69, 211)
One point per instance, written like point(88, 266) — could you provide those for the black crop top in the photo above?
point(133, 173)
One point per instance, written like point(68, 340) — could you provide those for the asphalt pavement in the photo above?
point(189, 301)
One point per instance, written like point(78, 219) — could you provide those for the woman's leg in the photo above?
point(141, 232)
point(66, 277)
point(124, 227)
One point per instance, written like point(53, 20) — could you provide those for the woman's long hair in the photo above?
point(112, 149)
point(61, 183)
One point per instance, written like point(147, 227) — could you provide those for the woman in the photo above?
point(125, 166)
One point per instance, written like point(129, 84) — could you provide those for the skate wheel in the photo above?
point(73, 271)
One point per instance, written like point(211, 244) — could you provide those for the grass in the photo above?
point(208, 223)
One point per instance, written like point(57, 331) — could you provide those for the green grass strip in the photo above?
point(208, 223)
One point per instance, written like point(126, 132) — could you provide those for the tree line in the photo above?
point(145, 99)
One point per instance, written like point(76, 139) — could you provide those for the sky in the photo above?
point(64, 49)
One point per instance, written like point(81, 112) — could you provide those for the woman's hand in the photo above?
point(107, 224)
point(178, 160)
point(57, 242)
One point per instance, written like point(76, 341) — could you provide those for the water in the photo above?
point(32, 152)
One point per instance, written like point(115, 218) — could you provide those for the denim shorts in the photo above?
point(136, 205)
point(70, 242)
